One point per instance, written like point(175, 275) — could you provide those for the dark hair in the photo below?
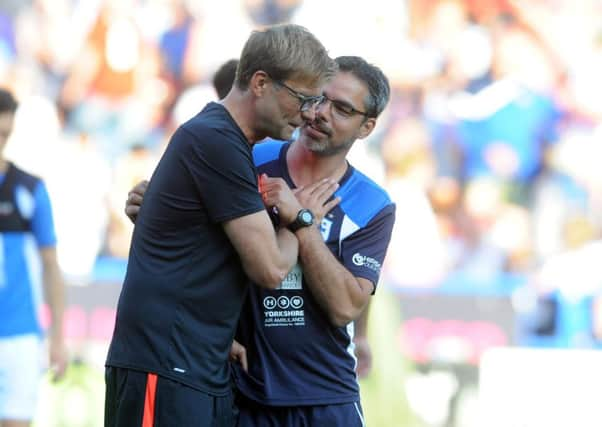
point(284, 52)
point(224, 78)
point(8, 104)
point(379, 90)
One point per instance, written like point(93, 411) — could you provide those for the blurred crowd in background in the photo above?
point(490, 147)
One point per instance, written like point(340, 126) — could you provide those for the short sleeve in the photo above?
point(221, 166)
point(42, 222)
point(363, 252)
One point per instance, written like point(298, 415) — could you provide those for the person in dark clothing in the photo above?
point(202, 233)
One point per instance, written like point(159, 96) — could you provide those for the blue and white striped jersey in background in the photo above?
point(26, 224)
point(296, 356)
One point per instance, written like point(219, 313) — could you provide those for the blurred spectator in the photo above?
point(270, 12)
point(81, 237)
point(198, 95)
point(28, 259)
point(223, 78)
point(113, 89)
point(178, 46)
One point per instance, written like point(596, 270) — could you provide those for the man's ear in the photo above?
point(367, 127)
point(259, 82)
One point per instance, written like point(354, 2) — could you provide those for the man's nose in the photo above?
point(309, 115)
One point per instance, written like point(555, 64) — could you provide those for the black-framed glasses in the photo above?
point(305, 102)
point(343, 108)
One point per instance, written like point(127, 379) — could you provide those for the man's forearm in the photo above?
point(55, 292)
point(361, 323)
point(336, 290)
point(289, 247)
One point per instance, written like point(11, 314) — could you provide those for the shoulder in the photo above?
point(213, 119)
point(267, 151)
point(209, 130)
point(25, 179)
point(363, 199)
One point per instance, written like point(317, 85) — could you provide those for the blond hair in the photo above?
point(284, 52)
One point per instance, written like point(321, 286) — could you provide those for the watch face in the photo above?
point(307, 217)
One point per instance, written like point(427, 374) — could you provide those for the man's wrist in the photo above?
point(304, 218)
point(56, 334)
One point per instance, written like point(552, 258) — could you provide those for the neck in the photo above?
point(306, 167)
point(3, 165)
point(240, 106)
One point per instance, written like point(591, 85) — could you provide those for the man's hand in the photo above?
point(238, 353)
point(59, 358)
point(315, 198)
point(134, 200)
point(364, 356)
point(276, 193)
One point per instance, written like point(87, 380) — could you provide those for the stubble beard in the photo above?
point(326, 148)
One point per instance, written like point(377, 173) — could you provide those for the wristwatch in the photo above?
point(304, 218)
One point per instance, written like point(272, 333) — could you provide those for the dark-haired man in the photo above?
point(27, 236)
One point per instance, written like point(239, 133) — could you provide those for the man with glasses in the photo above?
point(305, 102)
point(201, 234)
point(298, 337)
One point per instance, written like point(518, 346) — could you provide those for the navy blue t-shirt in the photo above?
point(296, 356)
point(185, 286)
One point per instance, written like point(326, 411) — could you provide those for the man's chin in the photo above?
point(288, 133)
point(314, 146)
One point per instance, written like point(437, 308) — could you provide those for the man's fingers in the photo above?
point(140, 188)
point(132, 210)
point(325, 191)
point(58, 362)
point(238, 352)
point(269, 198)
point(328, 206)
point(311, 188)
point(58, 371)
point(242, 358)
point(134, 198)
point(132, 205)
point(268, 183)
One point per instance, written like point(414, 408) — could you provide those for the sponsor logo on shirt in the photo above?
point(293, 280)
point(269, 303)
point(296, 302)
point(365, 261)
point(283, 302)
point(283, 311)
point(325, 227)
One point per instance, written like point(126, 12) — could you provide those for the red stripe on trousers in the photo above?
point(148, 420)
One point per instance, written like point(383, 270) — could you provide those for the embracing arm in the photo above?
point(266, 256)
